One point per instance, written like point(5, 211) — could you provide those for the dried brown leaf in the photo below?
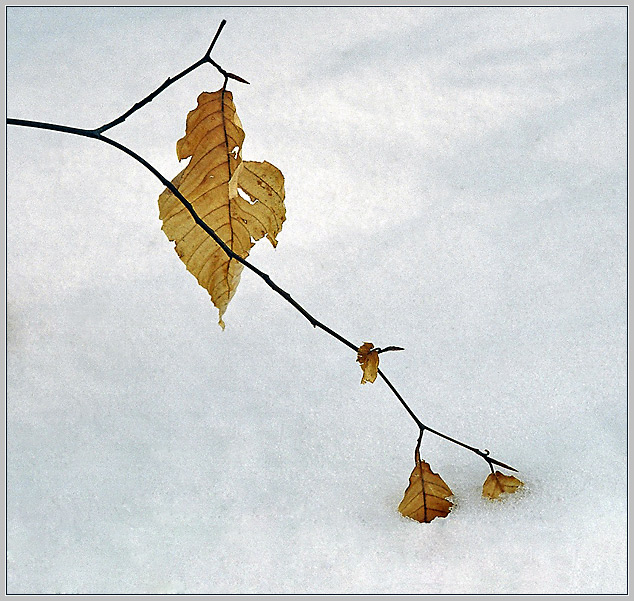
point(368, 357)
point(497, 484)
point(426, 497)
point(243, 201)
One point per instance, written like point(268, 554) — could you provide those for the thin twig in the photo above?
point(423, 426)
point(388, 349)
point(97, 134)
point(213, 42)
point(170, 80)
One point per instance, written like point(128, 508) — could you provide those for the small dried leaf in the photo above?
point(368, 357)
point(497, 484)
point(426, 496)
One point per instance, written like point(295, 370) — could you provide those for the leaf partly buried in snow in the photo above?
point(368, 357)
point(243, 201)
point(426, 496)
point(497, 484)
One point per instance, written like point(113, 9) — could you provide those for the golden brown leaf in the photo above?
point(426, 496)
point(368, 357)
point(243, 201)
point(497, 484)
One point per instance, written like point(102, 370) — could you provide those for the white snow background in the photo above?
point(456, 185)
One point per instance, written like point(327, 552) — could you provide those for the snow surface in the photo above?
point(456, 185)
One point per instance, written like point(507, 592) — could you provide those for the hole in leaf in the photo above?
point(246, 196)
point(235, 151)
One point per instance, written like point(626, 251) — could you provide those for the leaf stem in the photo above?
point(97, 134)
point(417, 449)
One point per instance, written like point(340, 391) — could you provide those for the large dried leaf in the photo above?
point(243, 201)
point(426, 497)
point(497, 484)
point(368, 357)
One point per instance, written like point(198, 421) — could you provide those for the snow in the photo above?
point(456, 185)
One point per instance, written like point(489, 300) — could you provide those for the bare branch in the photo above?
point(98, 135)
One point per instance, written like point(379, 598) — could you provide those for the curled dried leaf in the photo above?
point(426, 497)
point(497, 484)
point(368, 357)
